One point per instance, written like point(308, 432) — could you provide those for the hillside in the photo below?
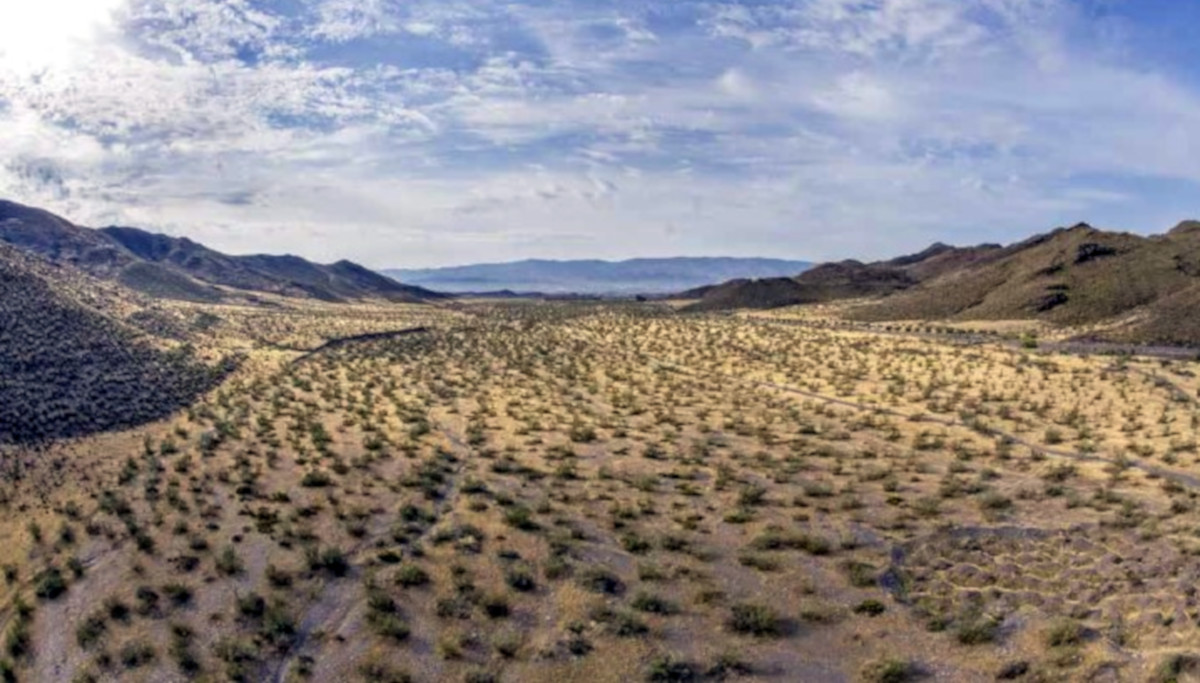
point(68, 369)
point(1136, 288)
point(762, 293)
point(178, 268)
point(634, 276)
point(838, 280)
point(1071, 276)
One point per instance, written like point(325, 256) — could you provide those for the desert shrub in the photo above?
point(278, 578)
point(755, 619)
point(507, 644)
point(600, 580)
point(626, 625)
point(495, 605)
point(860, 574)
point(634, 543)
point(378, 672)
point(136, 654)
point(1175, 667)
point(890, 671)
point(331, 560)
point(91, 630)
point(181, 650)
point(316, 479)
point(1012, 670)
point(50, 584)
point(977, 630)
point(669, 669)
point(870, 608)
point(1064, 632)
point(648, 602)
point(520, 517)
point(388, 625)
point(762, 563)
point(410, 575)
point(228, 562)
point(520, 579)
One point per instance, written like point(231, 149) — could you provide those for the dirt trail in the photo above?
point(340, 597)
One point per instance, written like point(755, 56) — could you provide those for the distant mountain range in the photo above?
point(178, 268)
point(635, 276)
point(1120, 286)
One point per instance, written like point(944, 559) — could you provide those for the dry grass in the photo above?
point(557, 492)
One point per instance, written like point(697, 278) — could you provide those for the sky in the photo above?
point(412, 133)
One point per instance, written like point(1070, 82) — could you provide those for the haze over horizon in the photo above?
point(431, 133)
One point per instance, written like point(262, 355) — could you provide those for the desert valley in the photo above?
point(217, 470)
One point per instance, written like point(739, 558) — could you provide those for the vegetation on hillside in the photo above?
point(178, 268)
point(1113, 286)
point(67, 370)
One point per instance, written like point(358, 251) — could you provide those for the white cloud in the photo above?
point(45, 34)
point(343, 20)
point(857, 94)
point(419, 132)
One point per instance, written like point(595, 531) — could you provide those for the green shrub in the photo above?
point(870, 608)
point(1175, 666)
point(977, 630)
point(668, 669)
point(648, 602)
point(1064, 632)
point(520, 517)
point(316, 479)
point(388, 625)
point(890, 671)
point(601, 580)
point(91, 630)
point(50, 584)
point(136, 654)
point(520, 579)
point(410, 575)
point(228, 562)
point(860, 574)
point(756, 620)
point(331, 560)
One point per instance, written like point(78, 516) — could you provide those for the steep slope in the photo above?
point(851, 279)
point(634, 276)
point(763, 293)
point(61, 241)
point(68, 369)
point(1126, 287)
point(942, 258)
point(1171, 318)
point(286, 275)
point(1075, 275)
point(178, 268)
point(839, 280)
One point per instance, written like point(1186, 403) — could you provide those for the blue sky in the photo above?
point(415, 133)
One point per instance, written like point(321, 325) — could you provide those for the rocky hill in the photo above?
point(1145, 288)
point(848, 279)
point(69, 366)
point(1127, 287)
point(178, 268)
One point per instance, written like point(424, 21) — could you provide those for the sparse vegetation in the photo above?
point(473, 498)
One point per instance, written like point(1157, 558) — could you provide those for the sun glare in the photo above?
point(41, 34)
